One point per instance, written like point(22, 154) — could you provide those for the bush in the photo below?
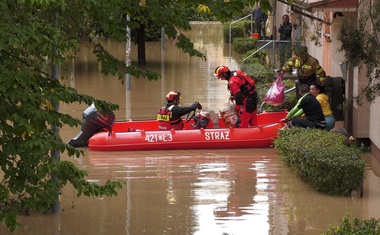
point(264, 78)
point(290, 98)
point(371, 226)
point(239, 29)
point(259, 56)
point(242, 45)
point(322, 160)
point(258, 72)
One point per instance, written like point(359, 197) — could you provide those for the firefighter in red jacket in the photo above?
point(243, 91)
point(170, 116)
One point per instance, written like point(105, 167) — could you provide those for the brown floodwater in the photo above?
point(240, 191)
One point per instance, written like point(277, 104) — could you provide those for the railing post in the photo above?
point(230, 31)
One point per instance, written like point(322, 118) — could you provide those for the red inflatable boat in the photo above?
point(102, 133)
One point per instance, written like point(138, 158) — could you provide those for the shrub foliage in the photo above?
point(242, 45)
point(239, 29)
point(322, 160)
point(371, 226)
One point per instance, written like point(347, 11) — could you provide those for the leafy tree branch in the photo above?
point(38, 34)
point(361, 45)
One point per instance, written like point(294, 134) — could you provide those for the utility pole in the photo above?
point(128, 76)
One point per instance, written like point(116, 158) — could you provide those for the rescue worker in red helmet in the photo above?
point(243, 91)
point(170, 116)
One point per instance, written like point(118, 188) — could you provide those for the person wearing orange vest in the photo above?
point(170, 116)
point(243, 92)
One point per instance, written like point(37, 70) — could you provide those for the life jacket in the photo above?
point(249, 86)
point(164, 117)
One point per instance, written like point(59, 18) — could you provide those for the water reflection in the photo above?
point(243, 191)
point(193, 192)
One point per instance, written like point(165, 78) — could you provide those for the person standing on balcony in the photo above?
point(260, 20)
point(285, 31)
point(297, 35)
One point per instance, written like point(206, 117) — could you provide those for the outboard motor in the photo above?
point(93, 121)
point(202, 120)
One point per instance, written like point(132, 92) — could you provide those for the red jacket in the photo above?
point(241, 85)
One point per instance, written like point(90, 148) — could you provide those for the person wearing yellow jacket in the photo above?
point(317, 90)
point(309, 106)
point(308, 67)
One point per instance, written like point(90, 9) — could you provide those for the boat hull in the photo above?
point(143, 135)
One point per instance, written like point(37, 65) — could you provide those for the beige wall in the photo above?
point(362, 111)
point(365, 117)
point(374, 131)
point(363, 121)
point(336, 57)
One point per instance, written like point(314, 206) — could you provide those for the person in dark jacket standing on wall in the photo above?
point(243, 92)
point(260, 20)
point(170, 116)
point(285, 31)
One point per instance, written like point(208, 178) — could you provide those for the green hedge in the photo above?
point(258, 72)
point(243, 45)
point(259, 56)
point(263, 80)
point(239, 29)
point(371, 226)
point(290, 98)
point(322, 160)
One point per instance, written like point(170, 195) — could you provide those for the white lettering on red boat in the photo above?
point(152, 138)
point(222, 135)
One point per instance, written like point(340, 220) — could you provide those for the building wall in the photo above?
point(374, 123)
point(336, 57)
point(361, 121)
point(374, 112)
point(330, 59)
point(361, 113)
point(363, 118)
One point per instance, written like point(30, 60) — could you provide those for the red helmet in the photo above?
point(173, 95)
point(221, 71)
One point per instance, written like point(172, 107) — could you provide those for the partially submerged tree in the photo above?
point(38, 34)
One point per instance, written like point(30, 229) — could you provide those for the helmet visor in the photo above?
point(217, 76)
